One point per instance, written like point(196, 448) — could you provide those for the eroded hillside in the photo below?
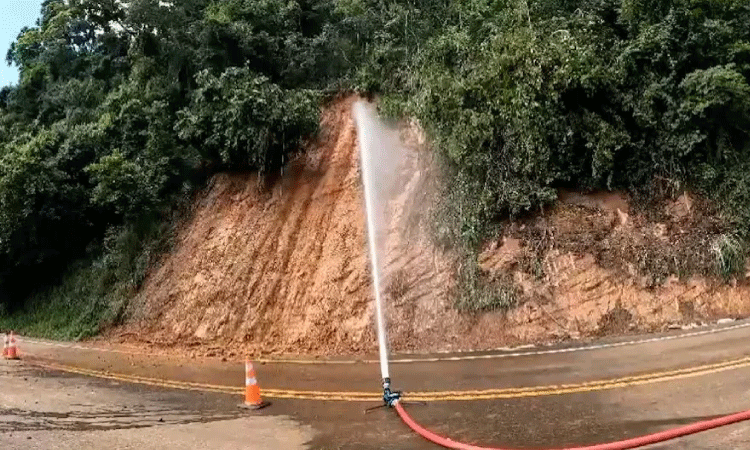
point(280, 267)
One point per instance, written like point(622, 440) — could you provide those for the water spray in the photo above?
point(373, 140)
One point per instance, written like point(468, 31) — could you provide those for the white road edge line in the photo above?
point(433, 359)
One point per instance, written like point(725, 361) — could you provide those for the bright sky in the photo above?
point(14, 15)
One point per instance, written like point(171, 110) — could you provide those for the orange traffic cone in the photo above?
point(252, 391)
point(12, 352)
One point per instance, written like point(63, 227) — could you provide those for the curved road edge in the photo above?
point(603, 366)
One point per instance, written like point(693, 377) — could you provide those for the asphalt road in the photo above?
point(47, 410)
point(553, 397)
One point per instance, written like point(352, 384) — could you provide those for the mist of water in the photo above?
point(381, 155)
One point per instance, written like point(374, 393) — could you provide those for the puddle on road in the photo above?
point(37, 400)
point(13, 420)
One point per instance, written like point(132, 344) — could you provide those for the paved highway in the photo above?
point(72, 396)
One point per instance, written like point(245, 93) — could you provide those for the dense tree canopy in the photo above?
point(121, 106)
point(524, 97)
point(118, 108)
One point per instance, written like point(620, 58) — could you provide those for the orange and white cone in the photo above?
point(12, 351)
point(252, 391)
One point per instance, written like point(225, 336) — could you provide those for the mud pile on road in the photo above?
point(279, 266)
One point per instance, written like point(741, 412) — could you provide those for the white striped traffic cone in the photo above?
point(252, 391)
point(12, 350)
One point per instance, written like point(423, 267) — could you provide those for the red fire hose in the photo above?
point(621, 445)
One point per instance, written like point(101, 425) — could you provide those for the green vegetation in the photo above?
point(475, 292)
point(121, 112)
point(522, 98)
point(94, 292)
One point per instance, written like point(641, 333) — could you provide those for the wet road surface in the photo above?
point(84, 412)
point(48, 411)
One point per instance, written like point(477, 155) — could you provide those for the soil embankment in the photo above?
point(280, 267)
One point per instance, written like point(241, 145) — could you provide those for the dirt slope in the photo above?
point(281, 268)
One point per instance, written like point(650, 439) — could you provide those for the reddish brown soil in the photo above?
point(280, 267)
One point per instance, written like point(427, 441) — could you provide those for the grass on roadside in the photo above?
point(94, 293)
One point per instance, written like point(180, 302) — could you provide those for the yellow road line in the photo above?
point(633, 380)
point(272, 393)
point(434, 396)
